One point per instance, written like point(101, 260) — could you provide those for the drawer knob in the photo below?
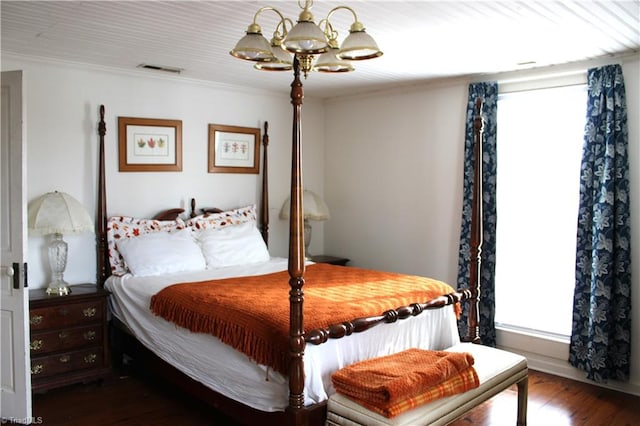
point(64, 359)
point(36, 345)
point(89, 312)
point(63, 335)
point(89, 335)
point(36, 319)
point(90, 359)
point(37, 369)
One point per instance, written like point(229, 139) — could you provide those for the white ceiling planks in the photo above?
point(421, 40)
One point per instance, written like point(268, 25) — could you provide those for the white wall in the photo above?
point(62, 102)
point(394, 178)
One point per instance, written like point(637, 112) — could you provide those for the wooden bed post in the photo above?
point(101, 214)
point(475, 257)
point(264, 207)
point(296, 257)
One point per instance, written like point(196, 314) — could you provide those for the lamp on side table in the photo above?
point(56, 213)
point(314, 208)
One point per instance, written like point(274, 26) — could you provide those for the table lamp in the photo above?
point(314, 209)
point(57, 213)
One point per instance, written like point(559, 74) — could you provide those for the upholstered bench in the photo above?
point(497, 371)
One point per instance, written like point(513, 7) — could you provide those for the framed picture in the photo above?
point(149, 145)
point(234, 149)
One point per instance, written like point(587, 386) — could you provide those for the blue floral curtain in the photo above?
point(488, 91)
point(600, 339)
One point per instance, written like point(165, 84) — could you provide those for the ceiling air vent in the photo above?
point(161, 68)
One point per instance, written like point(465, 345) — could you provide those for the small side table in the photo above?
point(333, 260)
point(69, 339)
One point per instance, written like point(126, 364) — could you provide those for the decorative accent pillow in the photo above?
point(161, 252)
point(233, 245)
point(122, 227)
point(226, 218)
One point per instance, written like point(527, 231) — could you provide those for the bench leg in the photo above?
point(523, 394)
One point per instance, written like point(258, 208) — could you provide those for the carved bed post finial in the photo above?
point(101, 215)
point(475, 258)
point(264, 208)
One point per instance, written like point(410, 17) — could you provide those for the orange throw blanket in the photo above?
point(396, 383)
point(251, 313)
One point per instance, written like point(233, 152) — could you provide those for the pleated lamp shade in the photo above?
point(314, 207)
point(58, 213)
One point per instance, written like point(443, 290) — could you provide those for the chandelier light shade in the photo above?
point(253, 46)
point(54, 214)
point(330, 62)
point(359, 45)
point(314, 208)
point(306, 40)
point(283, 61)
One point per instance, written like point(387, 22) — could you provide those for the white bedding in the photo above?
point(218, 366)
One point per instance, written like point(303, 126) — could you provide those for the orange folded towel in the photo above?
point(466, 380)
point(388, 379)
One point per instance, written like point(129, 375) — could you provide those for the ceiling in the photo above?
point(421, 40)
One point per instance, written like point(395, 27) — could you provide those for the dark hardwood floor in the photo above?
point(129, 399)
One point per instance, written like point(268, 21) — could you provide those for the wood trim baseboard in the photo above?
point(551, 357)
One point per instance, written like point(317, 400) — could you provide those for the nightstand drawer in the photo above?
point(65, 315)
point(70, 338)
point(50, 365)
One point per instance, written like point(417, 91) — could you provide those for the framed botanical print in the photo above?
point(149, 145)
point(234, 149)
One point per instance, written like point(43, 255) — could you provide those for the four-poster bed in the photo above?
point(302, 342)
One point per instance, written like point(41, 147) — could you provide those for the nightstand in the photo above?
point(69, 337)
point(321, 258)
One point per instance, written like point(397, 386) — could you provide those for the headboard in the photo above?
point(103, 266)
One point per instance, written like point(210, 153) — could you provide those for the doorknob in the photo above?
point(9, 270)
point(14, 271)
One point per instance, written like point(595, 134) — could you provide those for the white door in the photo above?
point(15, 361)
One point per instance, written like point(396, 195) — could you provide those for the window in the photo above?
point(539, 148)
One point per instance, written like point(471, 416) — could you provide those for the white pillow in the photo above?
point(233, 245)
point(161, 253)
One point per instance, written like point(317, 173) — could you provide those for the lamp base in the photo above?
point(59, 288)
point(58, 262)
point(307, 239)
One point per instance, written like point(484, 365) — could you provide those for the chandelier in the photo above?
point(305, 40)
